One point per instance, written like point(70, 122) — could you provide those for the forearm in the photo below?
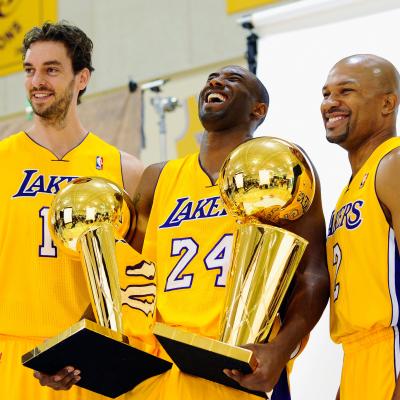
point(396, 394)
point(305, 308)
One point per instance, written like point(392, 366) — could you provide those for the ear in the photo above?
point(389, 104)
point(83, 78)
point(259, 110)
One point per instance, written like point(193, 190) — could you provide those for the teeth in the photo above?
point(215, 97)
point(334, 119)
point(40, 95)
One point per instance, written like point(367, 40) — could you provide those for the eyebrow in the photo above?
point(215, 74)
point(342, 83)
point(50, 62)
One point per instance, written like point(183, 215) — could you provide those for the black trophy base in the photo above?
point(204, 357)
point(108, 365)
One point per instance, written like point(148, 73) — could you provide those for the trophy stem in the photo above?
point(97, 249)
point(264, 260)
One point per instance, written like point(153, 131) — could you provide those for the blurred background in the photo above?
point(152, 58)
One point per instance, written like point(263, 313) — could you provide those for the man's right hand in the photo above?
point(62, 380)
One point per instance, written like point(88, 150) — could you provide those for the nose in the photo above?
point(38, 79)
point(216, 82)
point(329, 101)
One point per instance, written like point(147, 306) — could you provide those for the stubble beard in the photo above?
point(56, 113)
point(338, 139)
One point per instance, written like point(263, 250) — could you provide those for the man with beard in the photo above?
point(359, 109)
point(190, 291)
point(43, 292)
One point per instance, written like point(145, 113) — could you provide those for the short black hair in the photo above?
point(79, 46)
point(261, 95)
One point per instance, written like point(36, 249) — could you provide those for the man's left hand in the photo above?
point(270, 363)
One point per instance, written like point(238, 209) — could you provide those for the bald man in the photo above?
point(359, 109)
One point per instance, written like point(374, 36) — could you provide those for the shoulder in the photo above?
point(7, 142)
point(143, 202)
point(7, 139)
point(147, 186)
point(132, 169)
point(388, 167)
point(386, 183)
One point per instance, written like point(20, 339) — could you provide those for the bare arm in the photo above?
point(388, 192)
point(143, 201)
point(305, 307)
point(132, 170)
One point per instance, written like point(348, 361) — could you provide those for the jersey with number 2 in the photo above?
point(363, 259)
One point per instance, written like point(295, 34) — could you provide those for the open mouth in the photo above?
point(41, 96)
point(335, 120)
point(214, 97)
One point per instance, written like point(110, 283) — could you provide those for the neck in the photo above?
point(59, 137)
point(360, 154)
point(215, 147)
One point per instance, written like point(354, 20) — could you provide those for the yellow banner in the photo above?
point(16, 18)
point(233, 6)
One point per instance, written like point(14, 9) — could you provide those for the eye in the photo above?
point(52, 70)
point(325, 95)
point(346, 91)
point(233, 78)
point(28, 71)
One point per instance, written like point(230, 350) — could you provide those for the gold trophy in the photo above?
point(265, 182)
point(86, 217)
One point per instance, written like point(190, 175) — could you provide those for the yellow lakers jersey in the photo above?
point(42, 291)
point(363, 258)
point(189, 236)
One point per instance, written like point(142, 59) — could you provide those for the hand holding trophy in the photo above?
point(264, 183)
point(85, 219)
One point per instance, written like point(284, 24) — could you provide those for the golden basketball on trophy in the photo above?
point(264, 183)
point(85, 219)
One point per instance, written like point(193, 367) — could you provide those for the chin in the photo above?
point(337, 139)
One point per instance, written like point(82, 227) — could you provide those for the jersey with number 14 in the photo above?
point(42, 291)
point(362, 257)
point(189, 236)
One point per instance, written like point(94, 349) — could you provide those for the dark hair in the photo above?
point(262, 96)
point(79, 46)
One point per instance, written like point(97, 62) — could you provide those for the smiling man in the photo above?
point(42, 291)
point(359, 109)
point(191, 250)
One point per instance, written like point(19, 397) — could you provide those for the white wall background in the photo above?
point(294, 63)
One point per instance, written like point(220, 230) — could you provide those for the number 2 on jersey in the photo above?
point(337, 260)
point(187, 248)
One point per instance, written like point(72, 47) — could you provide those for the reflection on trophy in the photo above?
point(86, 217)
point(265, 182)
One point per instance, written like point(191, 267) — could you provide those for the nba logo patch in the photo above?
point(99, 162)
point(363, 180)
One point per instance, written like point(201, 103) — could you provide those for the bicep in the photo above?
point(388, 189)
point(143, 201)
point(132, 170)
point(311, 227)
